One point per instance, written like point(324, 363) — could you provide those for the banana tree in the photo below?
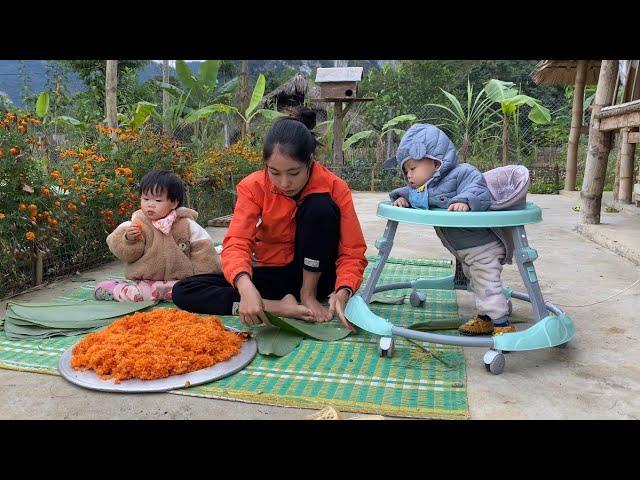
point(199, 90)
point(510, 100)
point(469, 125)
point(246, 117)
point(379, 135)
point(138, 114)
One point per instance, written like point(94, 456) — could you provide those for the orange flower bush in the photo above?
point(156, 344)
point(239, 159)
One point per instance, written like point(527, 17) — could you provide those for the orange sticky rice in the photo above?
point(156, 344)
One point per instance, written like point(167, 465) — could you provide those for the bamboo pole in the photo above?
point(599, 147)
point(576, 126)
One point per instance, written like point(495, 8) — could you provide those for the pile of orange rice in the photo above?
point(156, 344)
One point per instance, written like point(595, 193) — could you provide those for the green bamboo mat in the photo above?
point(348, 374)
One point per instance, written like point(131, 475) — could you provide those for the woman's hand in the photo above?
point(337, 302)
point(251, 309)
point(401, 202)
point(458, 207)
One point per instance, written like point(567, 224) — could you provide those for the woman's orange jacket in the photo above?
point(263, 227)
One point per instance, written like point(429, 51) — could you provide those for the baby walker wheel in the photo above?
point(417, 298)
point(385, 347)
point(494, 362)
point(510, 306)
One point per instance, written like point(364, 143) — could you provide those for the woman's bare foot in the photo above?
point(288, 306)
point(320, 313)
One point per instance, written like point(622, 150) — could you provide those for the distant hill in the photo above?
point(36, 72)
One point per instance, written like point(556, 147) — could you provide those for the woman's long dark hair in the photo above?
point(292, 136)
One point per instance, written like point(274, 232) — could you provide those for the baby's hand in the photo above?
point(458, 207)
point(133, 233)
point(401, 202)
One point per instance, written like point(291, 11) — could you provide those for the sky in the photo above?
point(172, 63)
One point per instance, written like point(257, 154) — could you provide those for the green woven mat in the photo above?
point(347, 374)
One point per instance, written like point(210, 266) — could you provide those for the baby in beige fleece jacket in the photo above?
point(161, 244)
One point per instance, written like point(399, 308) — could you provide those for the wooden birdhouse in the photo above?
point(338, 83)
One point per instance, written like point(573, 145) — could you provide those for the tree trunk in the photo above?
point(464, 151)
point(599, 147)
point(576, 126)
point(505, 139)
point(244, 92)
point(225, 126)
point(338, 157)
point(111, 96)
point(165, 97)
point(389, 135)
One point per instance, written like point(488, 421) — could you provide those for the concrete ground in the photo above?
point(597, 376)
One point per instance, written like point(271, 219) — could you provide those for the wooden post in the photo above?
point(616, 178)
point(338, 157)
point(165, 97)
point(599, 147)
point(627, 152)
point(111, 96)
point(576, 126)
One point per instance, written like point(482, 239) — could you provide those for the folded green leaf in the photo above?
point(327, 331)
point(275, 341)
point(88, 314)
point(379, 298)
point(437, 324)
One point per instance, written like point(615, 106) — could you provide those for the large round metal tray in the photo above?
point(89, 379)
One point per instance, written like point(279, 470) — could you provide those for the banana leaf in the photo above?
point(88, 314)
point(18, 332)
point(276, 341)
point(379, 298)
point(63, 318)
point(437, 324)
point(327, 331)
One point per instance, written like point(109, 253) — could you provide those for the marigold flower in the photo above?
point(22, 207)
point(30, 236)
point(2, 215)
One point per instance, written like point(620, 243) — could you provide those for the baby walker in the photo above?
point(550, 330)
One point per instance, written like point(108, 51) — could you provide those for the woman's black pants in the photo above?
point(316, 250)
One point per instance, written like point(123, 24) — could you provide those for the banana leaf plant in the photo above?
point(197, 91)
point(247, 116)
point(510, 99)
point(379, 135)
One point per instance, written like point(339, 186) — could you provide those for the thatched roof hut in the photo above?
point(292, 92)
point(563, 72)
